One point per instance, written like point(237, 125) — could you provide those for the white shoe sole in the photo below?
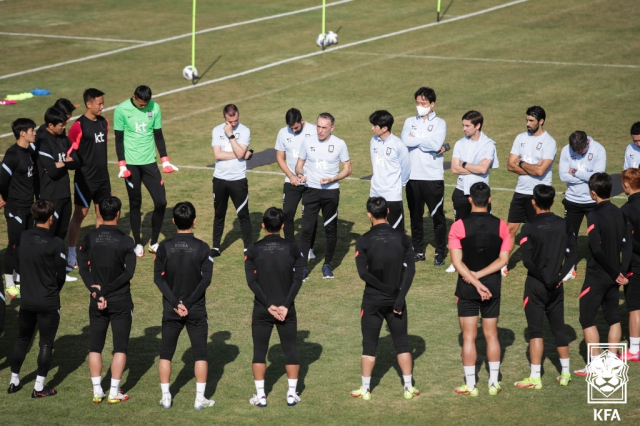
point(450, 269)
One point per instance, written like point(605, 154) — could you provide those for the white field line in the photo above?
point(513, 61)
point(164, 40)
point(72, 37)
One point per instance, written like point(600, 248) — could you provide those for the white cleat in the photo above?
point(451, 269)
point(311, 254)
point(139, 250)
point(571, 275)
point(70, 278)
point(293, 400)
point(259, 402)
point(201, 404)
point(504, 271)
point(153, 248)
point(166, 402)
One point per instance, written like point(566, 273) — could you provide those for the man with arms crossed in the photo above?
point(632, 153)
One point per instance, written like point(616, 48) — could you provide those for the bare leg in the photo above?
point(200, 369)
point(79, 213)
point(469, 327)
point(164, 370)
point(536, 347)
point(513, 230)
point(117, 365)
point(259, 371)
point(292, 371)
point(405, 361)
point(490, 329)
point(367, 362)
point(95, 364)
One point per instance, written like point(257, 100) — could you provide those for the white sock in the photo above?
point(115, 387)
point(8, 278)
point(634, 344)
point(39, 383)
point(97, 387)
point(407, 381)
point(259, 388)
point(72, 252)
point(165, 390)
point(293, 384)
point(494, 372)
point(15, 379)
point(366, 381)
point(564, 362)
point(200, 387)
point(470, 376)
point(612, 355)
point(535, 371)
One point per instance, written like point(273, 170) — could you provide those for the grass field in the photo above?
point(576, 58)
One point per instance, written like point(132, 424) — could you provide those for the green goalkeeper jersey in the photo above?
point(138, 126)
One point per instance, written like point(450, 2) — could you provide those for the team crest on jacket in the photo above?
point(150, 114)
point(590, 156)
point(306, 135)
point(330, 148)
point(238, 135)
point(430, 128)
point(389, 151)
point(539, 145)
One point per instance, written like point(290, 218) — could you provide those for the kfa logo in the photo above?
point(608, 375)
point(389, 151)
point(150, 114)
point(330, 148)
point(100, 136)
point(321, 164)
point(430, 128)
point(606, 414)
point(141, 127)
point(590, 156)
point(539, 145)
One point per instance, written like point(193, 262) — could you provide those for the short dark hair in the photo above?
point(293, 116)
point(578, 141)
point(230, 110)
point(537, 112)
point(544, 195)
point(480, 194)
point(183, 215)
point(273, 219)
point(427, 92)
point(22, 125)
point(474, 117)
point(91, 94)
point(109, 208)
point(601, 184)
point(635, 128)
point(54, 116)
point(143, 93)
point(382, 118)
point(65, 105)
point(327, 116)
point(42, 210)
point(377, 206)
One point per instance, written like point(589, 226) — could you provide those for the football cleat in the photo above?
point(72, 265)
point(410, 393)
point(311, 255)
point(258, 402)
point(450, 269)
point(529, 383)
point(293, 400)
point(166, 402)
point(494, 389)
point(13, 292)
point(564, 379)
point(14, 388)
point(43, 393)
point(69, 278)
point(97, 398)
point(153, 248)
point(504, 271)
point(139, 250)
point(120, 397)
point(419, 257)
point(583, 372)
point(201, 404)
point(365, 396)
point(327, 273)
point(465, 390)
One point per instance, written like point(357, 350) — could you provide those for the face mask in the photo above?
point(422, 111)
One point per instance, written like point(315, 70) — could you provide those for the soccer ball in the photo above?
point(189, 72)
point(320, 40)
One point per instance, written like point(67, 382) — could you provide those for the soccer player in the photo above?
point(479, 246)
point(578, 162)
point(632, 153)
point(531, 158)
point(273, 267)
point(385, 261)
point(610, 252)
point(288, 144)
point(138, 130)
point(182, 271)
point(88, 137)
point(548, 249)
point(230, 142)
point(631, 211)
point(473, 156)
point(391, 166)
point(16, 190)
point(107, 263)
point(424, 135)
point(43, 275)
point(322, 177)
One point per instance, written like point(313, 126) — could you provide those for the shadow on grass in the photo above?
point(345, 240)
point(143, 350)
point(308, 353)
point(506, 337)
point(235, 233)
point(386, 357)
point(549, 344)
point(429, 235)
point(9, 336)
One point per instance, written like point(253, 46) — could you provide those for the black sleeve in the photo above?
point(206, 272)
point(160, 143)
point(60, 261)
point(47, 159)
point(83, 266)
point(249, 270)
point(526, 250)
point(297, 276)
point(409, 272)
point(119, 144)
point(127, 245)
point(627, 246)
point(363, 270)
point(158, 277)
point(596, 249)
point(8, 167)
point(571, 253)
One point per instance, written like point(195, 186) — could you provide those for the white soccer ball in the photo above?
point(189, 72)
point(320, 40)
point(330, 38)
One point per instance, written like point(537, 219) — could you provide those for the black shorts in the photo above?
point(521, 210)
point(538, 300)
point(85, 192)
point(198, 330)
point(120, 315)
point(594, 295)
point(461, 205)
point(262, 323)
point(487, 308)
point(371, 318)
point(632, 293)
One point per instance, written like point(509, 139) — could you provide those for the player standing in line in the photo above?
point(107, 263)
point(548, 252)
point(632, 153)
point(473, 156)
point(230, 142)
point(610, 252)
point(273, 267)
point(479, 246)
point(631, 211)
point(385, 262)
point(138, 131)
point(288, 144)
point(424, 135)
point(578, 162)
point(322, 178)
point(88, 136)
point(43, 275)
point(531, 158)
point(182, 271)
point(391, 166)
point(16, 190)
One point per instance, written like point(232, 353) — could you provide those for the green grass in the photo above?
point(350, 83)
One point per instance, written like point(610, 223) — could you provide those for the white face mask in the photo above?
point(422, 111)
